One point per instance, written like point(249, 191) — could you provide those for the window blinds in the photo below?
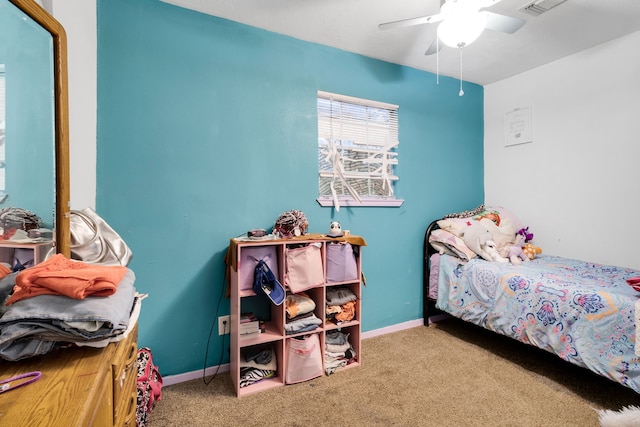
point(357, 143)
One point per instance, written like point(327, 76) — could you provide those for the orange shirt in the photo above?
point(61, 276)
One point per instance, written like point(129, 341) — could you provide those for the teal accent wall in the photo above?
point(207, 128)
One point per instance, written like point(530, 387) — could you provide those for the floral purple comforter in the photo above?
point(583, 312)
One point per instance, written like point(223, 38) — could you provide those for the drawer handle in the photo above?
point(128, 366)
point(132, 406)
point(129, 419)
point(133, 353)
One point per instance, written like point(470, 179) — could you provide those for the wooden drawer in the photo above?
point(125, 415)
point(124, 371)
point(75, 390)
point(84, 386)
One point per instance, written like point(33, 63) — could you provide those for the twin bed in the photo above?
point(583, 312)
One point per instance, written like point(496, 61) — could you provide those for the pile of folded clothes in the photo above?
point(61, 302)
point(257, 363)
point(341, 304)
point(338, 351)
point(300, 315)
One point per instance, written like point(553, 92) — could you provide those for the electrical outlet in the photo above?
point(224, 328)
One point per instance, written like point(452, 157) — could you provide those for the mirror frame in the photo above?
point(61, 101)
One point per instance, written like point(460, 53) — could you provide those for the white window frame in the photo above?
point(367, 130)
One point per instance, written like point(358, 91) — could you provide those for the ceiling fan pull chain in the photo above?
point(461, 91)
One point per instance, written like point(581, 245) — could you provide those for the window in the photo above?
point(357, 151)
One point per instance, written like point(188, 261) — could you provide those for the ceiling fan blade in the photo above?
point(435, 47)
point(411, 22)
point(503, 23)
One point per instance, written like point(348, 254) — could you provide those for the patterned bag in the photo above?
point(149, 386)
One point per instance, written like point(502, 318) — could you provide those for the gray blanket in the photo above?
point(37, 325)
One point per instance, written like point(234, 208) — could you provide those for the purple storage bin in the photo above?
point(341, 263)
point(250, 257)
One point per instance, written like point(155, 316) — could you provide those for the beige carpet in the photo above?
point(450, 374)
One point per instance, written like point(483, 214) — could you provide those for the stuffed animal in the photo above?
point(524, 232)
point(516, 254)
point(335, 229)
point(475, 236)
point(531, 251)
point(502, 236)
point(491, 249)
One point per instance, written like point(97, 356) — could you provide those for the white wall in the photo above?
point(577, 184)
point(78, 17)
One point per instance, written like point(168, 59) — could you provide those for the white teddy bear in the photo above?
point(479, 239)
point(491, 249)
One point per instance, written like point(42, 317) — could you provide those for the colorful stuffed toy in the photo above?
point(525, 233)
point(516, 254)
point(531, 251)
point(490, 248)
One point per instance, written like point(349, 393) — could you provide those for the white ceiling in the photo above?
point(352, 25)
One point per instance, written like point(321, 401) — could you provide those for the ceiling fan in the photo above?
point(460, 23)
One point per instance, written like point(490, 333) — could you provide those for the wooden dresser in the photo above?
point(80, 387)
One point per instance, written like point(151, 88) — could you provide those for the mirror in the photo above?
point(35, 130)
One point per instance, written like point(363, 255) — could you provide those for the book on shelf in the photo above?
point(247, 317)
point(254, 327)
point(249, 326)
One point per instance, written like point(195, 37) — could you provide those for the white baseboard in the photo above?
point(393, 328)
point(194, 375)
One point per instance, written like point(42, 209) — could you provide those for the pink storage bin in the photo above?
point(304, 359)
point(304, 268)
point(249, 259)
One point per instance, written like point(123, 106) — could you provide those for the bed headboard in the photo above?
point(428, 305)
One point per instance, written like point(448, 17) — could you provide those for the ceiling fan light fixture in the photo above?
point(462, 29)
